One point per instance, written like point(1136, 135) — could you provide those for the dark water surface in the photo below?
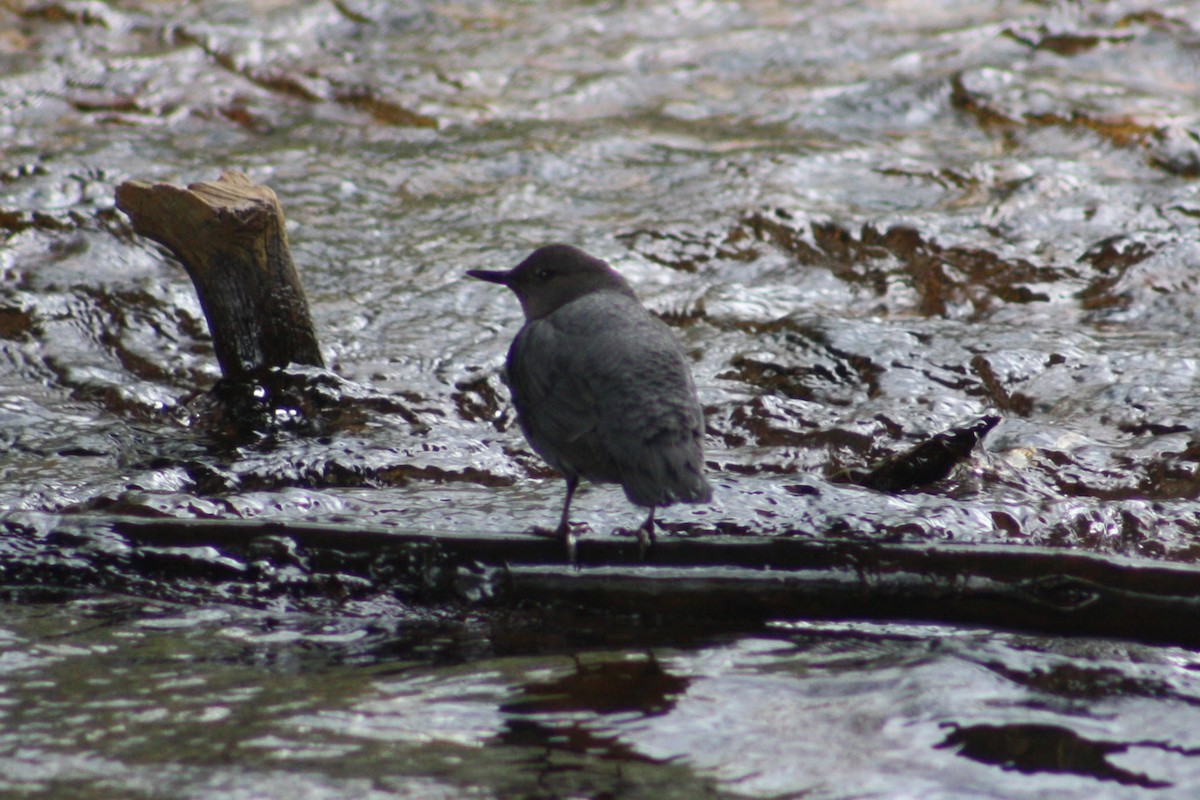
point(117, 697)
point(867, 223)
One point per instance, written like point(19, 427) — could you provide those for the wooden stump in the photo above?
point(230, 237)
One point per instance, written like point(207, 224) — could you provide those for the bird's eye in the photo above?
point(544, 274)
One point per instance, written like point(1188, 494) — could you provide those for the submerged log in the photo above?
point(929, 461)
point(230, 237)
point(720, 582)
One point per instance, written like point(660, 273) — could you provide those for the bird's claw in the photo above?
point(566, 534)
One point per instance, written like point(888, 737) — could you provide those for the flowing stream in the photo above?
point(867, 223)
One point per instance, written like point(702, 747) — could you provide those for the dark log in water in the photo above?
point(929, 461)
point(230, 237)
point(724, 582)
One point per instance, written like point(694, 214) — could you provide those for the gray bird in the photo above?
point(601, 387)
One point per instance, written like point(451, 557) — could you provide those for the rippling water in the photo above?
point(867, 223)
point(125, 697)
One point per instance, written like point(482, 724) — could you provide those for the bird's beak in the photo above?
point(502, 277)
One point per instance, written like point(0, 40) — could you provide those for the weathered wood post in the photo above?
point(229, 235)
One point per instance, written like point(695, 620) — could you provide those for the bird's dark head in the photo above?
point(553, 276)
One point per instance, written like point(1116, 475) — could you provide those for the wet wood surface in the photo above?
point(724, 581)
point(229, 234)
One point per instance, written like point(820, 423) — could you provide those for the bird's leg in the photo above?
point(564, 525)
point(645, 533)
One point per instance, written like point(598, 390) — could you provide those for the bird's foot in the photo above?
point(561, 532)
point(645, 537)
point(566, 534)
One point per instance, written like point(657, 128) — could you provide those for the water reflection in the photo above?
point(1045, 748)
point(136, 696)
point(557, 714)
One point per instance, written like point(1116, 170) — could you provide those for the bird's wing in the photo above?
point(550, 384)
point(652, 425)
